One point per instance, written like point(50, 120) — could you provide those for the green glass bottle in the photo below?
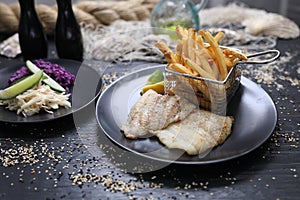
point(167, 14)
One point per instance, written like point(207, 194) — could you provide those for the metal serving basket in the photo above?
point(210, 94)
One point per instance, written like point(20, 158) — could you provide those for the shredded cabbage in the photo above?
point(40, 97)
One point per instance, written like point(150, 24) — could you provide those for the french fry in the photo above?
point(203, 56)
point(193, 71)
point(220, 58)
point(169, 55)
point(211, 57)
point(203, 62)
point(191, 44)
point(219, 36)
point(229, 63)
point(179, 48)
point(215, 70)
point(200, 41)
point(179, 68)
point(181, 33)
point(185, 47)
point(195, 67)
point(235, 53)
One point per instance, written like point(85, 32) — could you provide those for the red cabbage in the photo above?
point(55, 71)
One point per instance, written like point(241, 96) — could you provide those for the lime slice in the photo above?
point(155, 77)
point(21, 86)
point(46, 79)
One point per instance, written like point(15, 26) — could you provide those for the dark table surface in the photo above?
point(53, 160)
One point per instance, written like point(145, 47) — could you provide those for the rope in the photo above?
point(93, 13)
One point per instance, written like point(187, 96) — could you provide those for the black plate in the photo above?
point(86, 77)
point(254, 112)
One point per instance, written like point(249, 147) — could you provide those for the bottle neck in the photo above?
point(26, 4)
point(64, 4)
point(65, 9)
point(200, 5)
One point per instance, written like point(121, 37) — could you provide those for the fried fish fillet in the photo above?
point(154, 112)
point(197, 133)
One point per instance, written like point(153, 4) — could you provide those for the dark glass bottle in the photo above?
point(32, 38)
point(68, 38)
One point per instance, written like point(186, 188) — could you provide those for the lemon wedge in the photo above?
point(158, 87)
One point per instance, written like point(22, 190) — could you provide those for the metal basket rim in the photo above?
point(201, 78)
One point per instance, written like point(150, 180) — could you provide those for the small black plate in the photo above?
point(87, 87)
point(253, 110)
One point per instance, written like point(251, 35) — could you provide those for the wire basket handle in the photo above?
point(276, 54)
